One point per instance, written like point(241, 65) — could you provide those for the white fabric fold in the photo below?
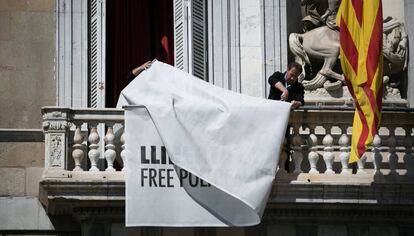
point(230, 140)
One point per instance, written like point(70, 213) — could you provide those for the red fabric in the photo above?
point(137, 31)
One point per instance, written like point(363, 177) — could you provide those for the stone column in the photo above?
point(224, 43)
point(409, 20)
point(72, 53)
point(275, 46)
point(251, 48)
point(56, 128)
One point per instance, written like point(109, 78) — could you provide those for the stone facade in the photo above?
point(27, 45)
point(36, 70)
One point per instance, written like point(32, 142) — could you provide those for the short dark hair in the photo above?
point(295, 65)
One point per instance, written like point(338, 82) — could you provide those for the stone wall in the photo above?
point(27, 46)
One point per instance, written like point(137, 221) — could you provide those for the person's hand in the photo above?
point(402, 47)
point(136, 71)
point(296, 104)
point(285, 95)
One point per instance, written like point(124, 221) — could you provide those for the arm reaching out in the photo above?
point(136, 71)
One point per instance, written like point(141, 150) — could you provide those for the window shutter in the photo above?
point(199, 42)
point(190, 38)
point(180, 35)
point(97, 53)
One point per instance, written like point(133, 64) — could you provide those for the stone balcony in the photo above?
point(83, 174)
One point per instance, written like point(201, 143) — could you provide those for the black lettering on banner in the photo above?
point(169, 159)
point(154, 156)
point(191, 177)
point(204, 184)
point(143, 176)
point(163, 155)
point(144, 159)
point(161, 177)
point(170, 177)
point(152, 175)
point(183, 175)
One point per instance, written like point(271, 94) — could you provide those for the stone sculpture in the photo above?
point(323, 43)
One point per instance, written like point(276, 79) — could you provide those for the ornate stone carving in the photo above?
point(55, 125)
point(56, 150)
point(53, 115)
point(321, 42)
point(316, 13)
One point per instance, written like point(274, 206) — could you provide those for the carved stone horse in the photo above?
point(323, 43)
point(320, 43)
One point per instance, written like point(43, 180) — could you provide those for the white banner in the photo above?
point(224, 147)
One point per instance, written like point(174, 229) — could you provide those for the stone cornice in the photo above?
point(306, 213)
point(77, 193)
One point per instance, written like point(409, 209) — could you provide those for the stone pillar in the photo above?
point(275, 46)
point(409, 21)
point(251, 48)
point(72, 53)
point(56, 128)
point(224, 43)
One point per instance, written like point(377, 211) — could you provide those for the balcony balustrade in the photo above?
point(85, 152)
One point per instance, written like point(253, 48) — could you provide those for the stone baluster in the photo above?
point(110, 153)
point(377, 156)
point(93, 153)
point(283, 157)
point(392, 156)
point(361, 164)
point(78, 153)
point(408, 156)
point(123, 152)
point(297, 155)
point(344, 151)
point(328, 155)
point(313, 156)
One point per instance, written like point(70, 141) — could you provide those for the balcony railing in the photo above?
point(84, 153)
point(318, 145)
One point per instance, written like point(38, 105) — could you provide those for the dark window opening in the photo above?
point(137, 31)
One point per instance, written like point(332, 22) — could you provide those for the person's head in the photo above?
point(293, 71)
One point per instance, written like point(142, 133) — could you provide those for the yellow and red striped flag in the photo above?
point(360, 23)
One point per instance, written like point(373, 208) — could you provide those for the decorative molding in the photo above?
point(55, 125)
point(56, 150)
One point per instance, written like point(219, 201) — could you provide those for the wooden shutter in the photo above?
point(190, 37)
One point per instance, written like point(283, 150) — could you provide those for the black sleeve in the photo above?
point(273, 79)
point(300, 94)
point(131, 76)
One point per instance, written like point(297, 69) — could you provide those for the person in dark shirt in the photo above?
point(285, 86)
point(137, 70)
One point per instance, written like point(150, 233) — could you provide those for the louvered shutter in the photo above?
point(181, 35)
point(199, 39)
point(97, 53)
point(190, 38)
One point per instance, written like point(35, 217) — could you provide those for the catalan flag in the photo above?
point(360, 23)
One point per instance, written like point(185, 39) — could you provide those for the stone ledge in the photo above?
point(306, 213)
point(100, 190)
